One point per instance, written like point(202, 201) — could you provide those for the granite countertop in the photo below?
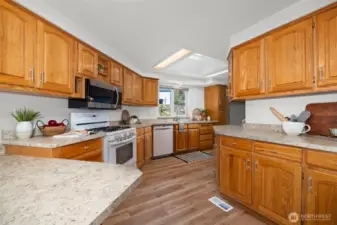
point(49, 142)
point(303, 141)
point(164, 122)
point(39, 191)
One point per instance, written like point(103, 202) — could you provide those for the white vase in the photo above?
point(24, 130)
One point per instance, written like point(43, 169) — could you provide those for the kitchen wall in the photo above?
point(258, 111)
point(196, 99)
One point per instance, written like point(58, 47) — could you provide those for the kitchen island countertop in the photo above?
point(39, 191)
point(302, 141)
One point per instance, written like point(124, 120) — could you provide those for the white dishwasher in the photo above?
point(162, 140)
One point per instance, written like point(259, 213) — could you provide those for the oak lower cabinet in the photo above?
point(17, 46)
point(277, 188)
point(55, 59)
point(193, 139)
point(148, 144)
point(321, 196)
point(236, 174)
point(140, 147)
point(180, 141)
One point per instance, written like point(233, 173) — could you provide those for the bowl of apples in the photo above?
point(52, 127)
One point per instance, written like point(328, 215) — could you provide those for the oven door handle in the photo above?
point(123, 142)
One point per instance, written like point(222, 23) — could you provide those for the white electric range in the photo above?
point(120, 145)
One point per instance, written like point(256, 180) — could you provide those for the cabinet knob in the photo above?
point(86, 147)
point(256, 165)
point(309, 184)
point(247, 164)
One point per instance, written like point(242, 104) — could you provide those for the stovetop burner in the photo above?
point(108, 129)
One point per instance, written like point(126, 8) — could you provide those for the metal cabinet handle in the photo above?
point(32, 73)
point(309, 184)
point(321, 73)
point(260, 84)
point(86, 147)
point(255, 165)
point(42, 77)
point(247, 164)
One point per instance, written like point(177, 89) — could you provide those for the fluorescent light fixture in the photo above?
point(173, 58)
point(217, 73)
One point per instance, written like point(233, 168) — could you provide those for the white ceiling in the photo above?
point(148, 31)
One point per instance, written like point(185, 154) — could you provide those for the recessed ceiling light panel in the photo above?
point(173, 58)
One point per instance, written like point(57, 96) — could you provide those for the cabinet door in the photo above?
point(277, 188)
point(193, 139)
point(116, 76)
point(180, 141)
point(248, 73)
point(150, 91)
point(87, 60)
point(17, 46)
point(127, 86)
point(289, 57)
point(55, 59)
point(148, 146)
point(137, 89)
point(93, 156)
point(140, 151)
point(326, 42)
point(236, 174)
point(321, 196)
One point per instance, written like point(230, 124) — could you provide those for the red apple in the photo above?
point(52, 123)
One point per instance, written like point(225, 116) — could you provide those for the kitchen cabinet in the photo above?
point(148, 144)
point(277, 187)
point(127, 86)
point(116, 75)
point(150, 91)
point(137, 83)
point(87, 150)
point(236, 174)
point(87, 60)
point(193, 139)
point(140, 147)
point(55, 59)
point(180, 141)
point(326, 44)
point(206, 136)
point(289, 57)
point(320, 189)
point(103, 68)
point(17, 46)
point(216, 103)
point(248, 69)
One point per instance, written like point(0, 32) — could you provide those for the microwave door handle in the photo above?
point(117, 97)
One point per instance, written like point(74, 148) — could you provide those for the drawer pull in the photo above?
point(256, 163)
point(234, 143)
point(86, 147)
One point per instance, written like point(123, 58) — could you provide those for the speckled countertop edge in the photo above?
point(303, 141)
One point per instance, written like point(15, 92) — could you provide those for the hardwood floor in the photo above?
point(175, 192)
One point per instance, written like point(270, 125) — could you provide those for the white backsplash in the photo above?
point(258, 111)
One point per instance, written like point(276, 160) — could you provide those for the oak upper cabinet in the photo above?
point(180, 141)
point(17, 46)
point(326, 41)
point(277, 188)
point(127, 86)
point(248, 69)
point(321, 196)
point(236, 174)
point(116, 76)
point(55, 59)
point(87, 60)
point(150, 91)
point(137, 84)
point(289, 56)
point(193, 139)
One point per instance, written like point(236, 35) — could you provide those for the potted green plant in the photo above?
point(101, 68)
point(24, 117)
point(204, 114)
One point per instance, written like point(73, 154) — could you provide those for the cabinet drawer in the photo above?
point(93, 156)
point(280, 151)
point(322, 159)
point(176, 127)
point(140, 131)
point(193, 126)
point(206, 130)
point(206, 145)
point(77, 149)
point(206, 137)
point(238, 143)
point(148, 130)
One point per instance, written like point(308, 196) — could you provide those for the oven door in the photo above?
point(121, 153)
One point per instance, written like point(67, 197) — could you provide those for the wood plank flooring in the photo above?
point(175, 192)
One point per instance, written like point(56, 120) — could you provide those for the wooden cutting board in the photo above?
point(323, 116)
